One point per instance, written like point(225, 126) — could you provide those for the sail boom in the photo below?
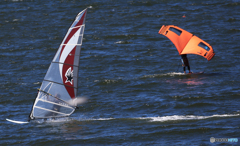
point(50, 110)
point(56, 104)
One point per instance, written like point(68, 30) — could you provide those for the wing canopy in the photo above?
point(187, 43)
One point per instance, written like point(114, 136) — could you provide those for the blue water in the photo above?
point(132, 76)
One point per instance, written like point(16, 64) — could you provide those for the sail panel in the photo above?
point(39, 112)
point(67, 47)
point(51, 107)
point(80, 19)
point(75, 67)
point(54, 67)
point(75, 27)
point(69, 78)
point(187, 43)
point(73, 38)
point(47, 105)
point(57, 89)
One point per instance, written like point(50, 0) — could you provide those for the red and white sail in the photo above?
point(60, 83)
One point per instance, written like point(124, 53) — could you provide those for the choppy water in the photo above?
point(131, 74)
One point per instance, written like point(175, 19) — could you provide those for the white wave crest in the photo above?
point(175, 73)
point(187, 117)
point(103, 119)
point(166, 74)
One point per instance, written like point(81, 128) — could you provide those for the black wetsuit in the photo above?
point(185, 62)
point(54, 106)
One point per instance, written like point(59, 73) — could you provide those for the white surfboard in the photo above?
point(17, 122)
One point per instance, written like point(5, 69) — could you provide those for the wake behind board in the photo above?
point(196, 73)
point(17, 122)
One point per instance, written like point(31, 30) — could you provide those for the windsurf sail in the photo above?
point(60, 83)
point(186, 42)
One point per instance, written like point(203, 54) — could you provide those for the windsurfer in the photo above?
point(55, 107)
point(185, 63)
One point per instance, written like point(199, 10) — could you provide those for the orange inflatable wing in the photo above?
point(187, 43)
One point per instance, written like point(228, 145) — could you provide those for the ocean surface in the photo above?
point(137, 92)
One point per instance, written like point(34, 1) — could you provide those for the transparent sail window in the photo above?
point(56, 90)
point(204, 46)
point(177, 31)
point(49, 106)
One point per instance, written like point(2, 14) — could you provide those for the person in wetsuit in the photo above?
point(55, 107)
point(185, 63)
